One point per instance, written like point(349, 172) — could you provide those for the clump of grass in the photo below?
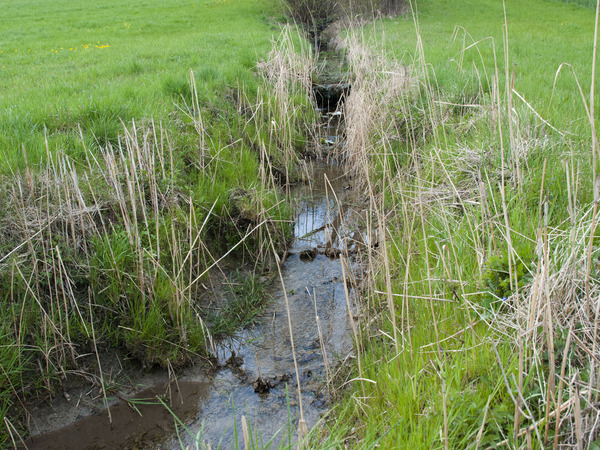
point(108, 235)
point(248, 297)
point(288, 69)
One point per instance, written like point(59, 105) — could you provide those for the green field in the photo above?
point(93, 64)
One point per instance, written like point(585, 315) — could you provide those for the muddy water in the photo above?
point(314, 287)
point(212, 407)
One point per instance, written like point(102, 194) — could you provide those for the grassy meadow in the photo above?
point(89, 65)
point(478, 157)
point(140, 143)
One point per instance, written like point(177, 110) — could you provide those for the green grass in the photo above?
point(542, 36)
point(438, 161)
point(584, 3)
point(247, 296)
point(92, 64)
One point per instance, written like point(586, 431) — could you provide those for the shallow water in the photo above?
point(211, 408)
point(313, 288)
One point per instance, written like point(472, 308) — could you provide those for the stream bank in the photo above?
point(255, 375)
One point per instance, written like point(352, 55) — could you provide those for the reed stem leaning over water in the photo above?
point(302, 428)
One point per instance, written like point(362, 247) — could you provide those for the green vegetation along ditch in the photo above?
point(471, 130)
point(142, 148)
point(477, 148)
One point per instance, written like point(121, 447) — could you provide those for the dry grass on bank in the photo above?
point(484, 298)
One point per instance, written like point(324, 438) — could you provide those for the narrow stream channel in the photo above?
point(256, 377)
point(211, 407)
point(314, 288)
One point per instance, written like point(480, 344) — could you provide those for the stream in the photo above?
point(255, 380)
point(314, 287)
point(256, 377)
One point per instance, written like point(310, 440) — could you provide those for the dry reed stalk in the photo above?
point(98, 359)
point(302, 429)
point(353, 324)
point(578, 418)
point(445, 408)
point(388, 284)
point(172, 377)
point(480, 432)
point(560, 392)
point(595, 149)
point(328, 378)
point(245, 433)
point(288, 70)
point(11, 429)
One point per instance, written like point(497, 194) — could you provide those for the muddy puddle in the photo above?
point(137, 422)
point(256, 378)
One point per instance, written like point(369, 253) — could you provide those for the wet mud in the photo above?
point(138, 422)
